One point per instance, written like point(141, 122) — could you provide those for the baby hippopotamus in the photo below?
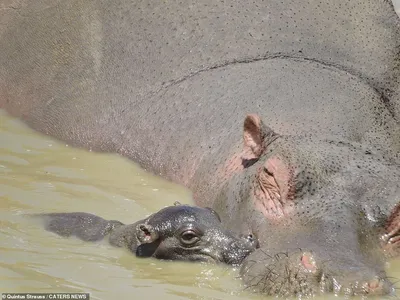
point(180, 232)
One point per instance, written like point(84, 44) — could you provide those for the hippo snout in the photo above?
point(302, 273)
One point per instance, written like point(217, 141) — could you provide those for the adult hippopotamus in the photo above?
point(281, 115)
point(179, 232)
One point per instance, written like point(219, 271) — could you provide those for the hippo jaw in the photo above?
point(302, 274)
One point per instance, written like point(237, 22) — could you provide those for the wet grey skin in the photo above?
point(281, 115)
point(326, 214)
point(180, 232)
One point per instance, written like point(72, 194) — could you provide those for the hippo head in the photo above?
point(287, 172)
point(323, 199)
point(190, 233)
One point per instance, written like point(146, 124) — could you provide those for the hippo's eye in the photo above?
point(189, 237)
point(268, 172)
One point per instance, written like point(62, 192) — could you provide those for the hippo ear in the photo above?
point(146, 233)
point(256, 136)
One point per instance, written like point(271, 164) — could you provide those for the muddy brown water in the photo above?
point(39, 174)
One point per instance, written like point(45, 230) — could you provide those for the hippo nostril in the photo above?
point(373, 285)
point(378, 286)
point(308, 262)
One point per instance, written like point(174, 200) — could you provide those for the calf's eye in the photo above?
point(189, 237)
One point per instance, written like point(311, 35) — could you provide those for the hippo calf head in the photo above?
point(179, 232)
point(190, 233)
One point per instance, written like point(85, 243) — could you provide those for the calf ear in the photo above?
point(146, 233)
point(256, 135)
point(214, 213)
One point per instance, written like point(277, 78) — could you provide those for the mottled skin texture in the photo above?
point(180, 232)
point(329, 207)
point(169, 85)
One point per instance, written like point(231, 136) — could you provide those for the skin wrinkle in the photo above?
point(277, 194)
point(270, 193)
point(382, 92)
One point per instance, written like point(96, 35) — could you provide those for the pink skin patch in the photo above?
point(274, 189)
point(273, 186)
point(393, 222)
point(391, 238)
point(252, 136)
point(185, 175)
point(308, 262)
point(233, 165)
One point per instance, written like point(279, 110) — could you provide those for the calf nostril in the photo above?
point(252, 241)
point(250, 238)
